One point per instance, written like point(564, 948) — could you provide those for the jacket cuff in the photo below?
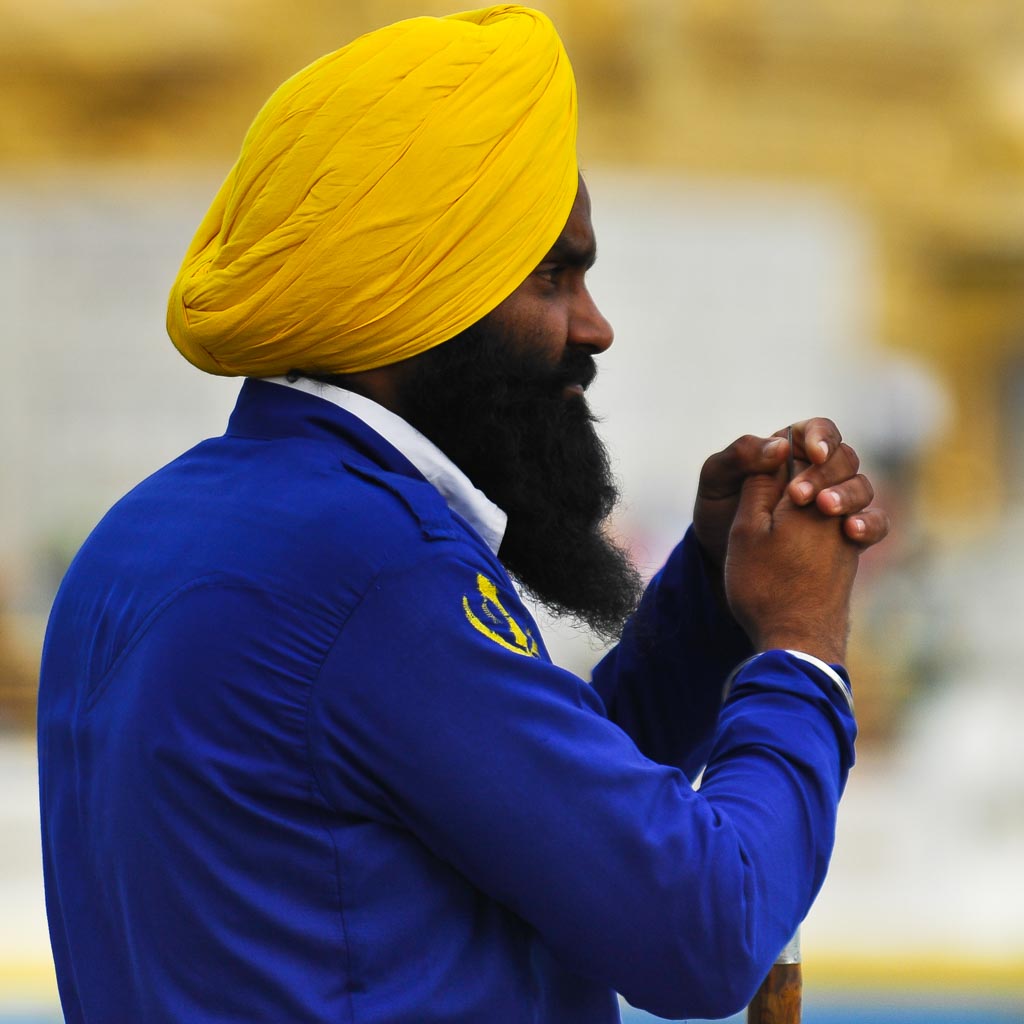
point(838, 681)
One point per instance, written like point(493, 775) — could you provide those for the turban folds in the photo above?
point(385, 198)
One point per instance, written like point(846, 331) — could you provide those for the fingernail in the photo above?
point(772, 447)
point(832, 499)
point(858, 526)
point(804, 491)
point(823, 448)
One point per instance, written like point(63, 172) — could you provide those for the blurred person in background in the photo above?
point(303, 755)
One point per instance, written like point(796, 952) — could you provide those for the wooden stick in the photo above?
point(779, 999)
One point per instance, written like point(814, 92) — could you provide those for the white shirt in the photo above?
point(454, 486)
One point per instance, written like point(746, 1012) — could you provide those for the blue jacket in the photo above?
point(304, 758)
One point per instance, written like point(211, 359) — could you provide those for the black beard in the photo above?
point(498, 409)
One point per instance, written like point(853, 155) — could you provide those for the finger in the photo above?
point(840, 467)
point(724, 472)
point(867, 527)
point(844, 499)
point(816, 439)
point(758, 500)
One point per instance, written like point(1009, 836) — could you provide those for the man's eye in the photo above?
point(550, 274)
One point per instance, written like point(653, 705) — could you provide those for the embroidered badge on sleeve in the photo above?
point(487, 615)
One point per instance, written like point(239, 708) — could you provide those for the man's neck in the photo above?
point(381, 385)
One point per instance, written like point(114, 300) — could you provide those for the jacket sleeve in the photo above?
point(436, 699)
point(662, 683)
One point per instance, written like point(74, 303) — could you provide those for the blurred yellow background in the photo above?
point(803, 205)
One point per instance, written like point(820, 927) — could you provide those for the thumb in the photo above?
point(758, 499)
point(723, 473)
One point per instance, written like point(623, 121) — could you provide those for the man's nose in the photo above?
point(588, 327)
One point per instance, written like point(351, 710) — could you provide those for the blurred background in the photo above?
point(804, 207)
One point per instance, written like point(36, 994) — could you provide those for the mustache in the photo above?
point(576, 368)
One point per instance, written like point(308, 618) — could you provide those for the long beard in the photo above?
point(498, 409)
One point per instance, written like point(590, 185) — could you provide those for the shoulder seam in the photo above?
point(209, 581)
point(434, 524)
point(93, 692)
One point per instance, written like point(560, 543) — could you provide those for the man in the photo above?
point(303, 756)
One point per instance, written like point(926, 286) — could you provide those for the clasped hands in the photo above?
point(783, 553)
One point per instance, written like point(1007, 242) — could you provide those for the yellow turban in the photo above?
point(385, 198)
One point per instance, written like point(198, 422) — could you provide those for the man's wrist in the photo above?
point(820, 645)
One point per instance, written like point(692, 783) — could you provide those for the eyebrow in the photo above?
point(565, 251)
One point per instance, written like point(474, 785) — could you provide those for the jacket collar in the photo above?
point(278, 407)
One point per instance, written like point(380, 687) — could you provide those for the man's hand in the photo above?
point(829, 478)
point(789, 571)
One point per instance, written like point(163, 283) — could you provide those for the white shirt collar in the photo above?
point(455, 487)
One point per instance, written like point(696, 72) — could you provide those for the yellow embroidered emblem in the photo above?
point(521, 640)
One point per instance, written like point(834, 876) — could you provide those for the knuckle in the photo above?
point(739, 453)
point(823, 425)
point(716, 461)
point(747, 444)
point(877, 525)
point(710, 462)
